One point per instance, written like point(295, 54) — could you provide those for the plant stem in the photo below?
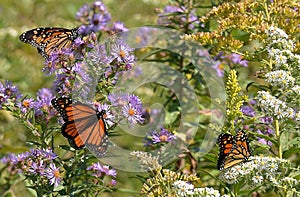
point(279, 141)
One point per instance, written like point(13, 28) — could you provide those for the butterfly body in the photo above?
point(49, 39)
point(233, 149)
point(84, 126)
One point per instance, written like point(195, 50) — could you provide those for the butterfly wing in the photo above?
point(226, 143)
point(242, 144)
point(233, 150)
point(83, 125)
point(49, 39)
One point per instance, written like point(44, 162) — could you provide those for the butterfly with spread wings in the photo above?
point(49, 39)
point(84, 126)
point(233, 149)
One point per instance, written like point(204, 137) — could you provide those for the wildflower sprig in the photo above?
point(87, 71)
point(253, 18)
point(234, 99)
point(264, 172)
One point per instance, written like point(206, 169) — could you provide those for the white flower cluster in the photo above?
point(280, 49)
point(183, 188)
point(277, 38)
point(280, 78)
point(274, 106)
point(296, 89)
point(146, 160)
point(256, 171)
point(274, 33)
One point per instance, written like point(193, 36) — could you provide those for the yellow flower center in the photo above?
point(25, 103)
point(56, 174)
point(131, 112)
point(163, 138)
point(221, 66)
point(122, 54)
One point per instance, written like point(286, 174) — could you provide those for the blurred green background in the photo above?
point(20, 62)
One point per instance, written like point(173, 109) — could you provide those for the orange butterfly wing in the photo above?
point(49, 39)
point(233, 150)
point(83, 125)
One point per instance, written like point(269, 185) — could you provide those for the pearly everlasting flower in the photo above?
point(274, 32)
point(257, 179)
point(297, 116)
point(296, 89)
point(258, 170)
point(274, 106)
point(183, 188)
point(280, 78)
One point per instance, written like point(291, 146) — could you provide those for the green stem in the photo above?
point(278, 137)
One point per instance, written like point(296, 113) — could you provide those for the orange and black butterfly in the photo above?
point(49, 39)
point(84, 126)
point(233, 149)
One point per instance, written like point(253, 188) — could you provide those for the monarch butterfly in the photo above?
point(83, 125)
point(233, 149)
point(49, 39)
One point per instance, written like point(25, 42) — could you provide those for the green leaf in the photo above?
point(171, 117)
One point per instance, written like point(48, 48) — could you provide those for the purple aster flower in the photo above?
point(108, 116)
point(174, 14)
point(26, 105)
point(269, 131)
point(9, 90)
point(113, 182)
point(53, 175)
point(43, 153)
point(99, 22)
point(94, 18)
point(45, 96)
point(99, 56)
point(134, 100)
point(248, 111)
point(122, 52)
point(119, 27)
point(237, 59)
point(133, 113)
point(219, 68)
point(266, 120)
point(62, 83)
point(203, 53)
point(142, 36)
point(83, 13)
point(118, 99)
point(37, 168)
point(48, 154)
point(264, 141)
point(80, 68)
point(156, 137)
point(3, 99)
point(50, 65)
point(100, 170)
point(106, 170)
point(8, 159)
point(219, 56)
point(98, 5)
point(252, 102)
point(43, 109)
